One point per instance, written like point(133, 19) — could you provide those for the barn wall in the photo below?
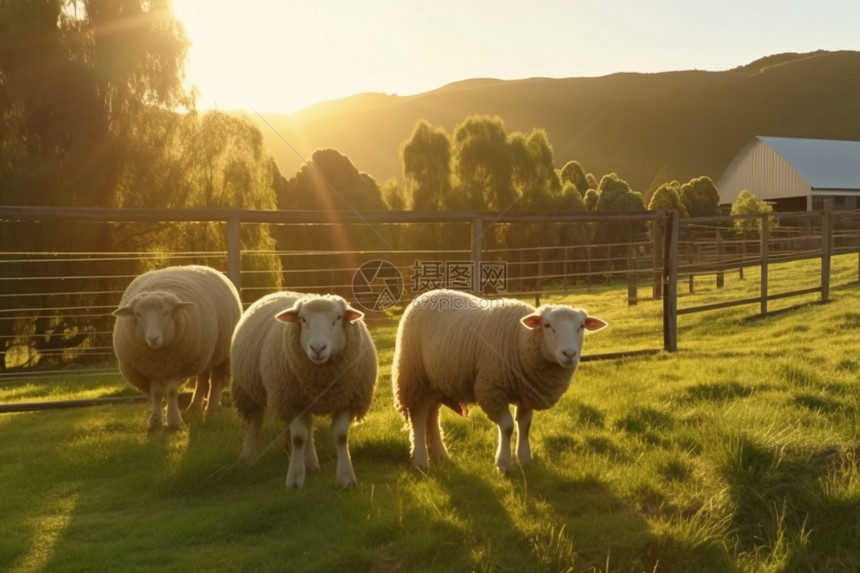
point(762, 172)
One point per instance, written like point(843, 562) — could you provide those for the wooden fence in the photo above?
point(667, 252)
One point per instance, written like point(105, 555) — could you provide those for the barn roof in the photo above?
point(827, 164)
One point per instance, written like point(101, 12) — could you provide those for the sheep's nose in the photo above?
point(570, 354)
point(154, 342)
point(319, 349)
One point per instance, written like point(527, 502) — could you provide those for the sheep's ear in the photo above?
point(182, 306)
point(531, 321)
point(289, 315)
point(123, 311)
point(351, 314)
point(593, 323)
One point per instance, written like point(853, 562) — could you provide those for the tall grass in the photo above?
point(737, 453)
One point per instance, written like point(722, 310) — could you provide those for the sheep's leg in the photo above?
point(418, 434)
point(174, 416)
point(340, 432)
point(216, 387)
point(312, 463)
point(253, 429)
point(298, 440)
point(435, 442)
point(201, 390)
point(156, 414)
point(506, 430)
point(524, 423)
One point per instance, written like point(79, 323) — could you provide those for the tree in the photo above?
point(700, 197)
point(90, 94)
point(330, 182)
point(667, 197)
point(570, 201)
point(536, 188)
point(77, 81)
point(76, 78)
point(426, 159)
point(749, 204)
point(590, 198)
point(572, 172)
point(534, 178)
point(394, 196)
point(483, 165)
point(614, 195)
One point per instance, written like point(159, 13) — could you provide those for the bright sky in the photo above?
point(281, 56)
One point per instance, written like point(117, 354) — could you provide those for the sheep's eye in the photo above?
point(303, 320)
point(339, 317)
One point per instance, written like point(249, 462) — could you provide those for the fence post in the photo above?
point(632, 290)
point(658, 250)
point(234, 252)
point(721, 250)
point(670, 283)
point(477, 239)
point(564, 268)
point(826, 247)
point(765, 231)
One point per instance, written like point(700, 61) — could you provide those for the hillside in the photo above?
point(648, 128)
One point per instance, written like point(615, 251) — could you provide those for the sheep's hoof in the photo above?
point(348, 485)
point(503, 468)
point(173, 427)
point(295, 482)
point(346, 479)
point(248, 457)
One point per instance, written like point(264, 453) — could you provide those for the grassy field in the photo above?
point(740, 452)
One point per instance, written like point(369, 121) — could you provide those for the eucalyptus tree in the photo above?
point(701, 197)
point(483, 165)
point(572, 172)
point(667, 197)
point(749, 204)
point(426, 160)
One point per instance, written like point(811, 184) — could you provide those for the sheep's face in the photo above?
point(155, 316)
point(562, 330)
point(321, 320)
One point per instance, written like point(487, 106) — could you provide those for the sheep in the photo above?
point(171, 324)
point(457, 349)
point(302, 355)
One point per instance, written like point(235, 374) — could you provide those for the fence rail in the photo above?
point(55, 306)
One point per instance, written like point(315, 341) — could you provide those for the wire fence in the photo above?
point(55, 306)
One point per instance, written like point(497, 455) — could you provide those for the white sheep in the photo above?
point(303, 355)
point(457, 349)
point(171, 324)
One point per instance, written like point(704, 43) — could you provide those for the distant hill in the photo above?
point(648, 128)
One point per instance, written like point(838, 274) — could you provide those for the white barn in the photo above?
point(795, 174)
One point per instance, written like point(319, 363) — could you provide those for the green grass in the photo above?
point(737, 453)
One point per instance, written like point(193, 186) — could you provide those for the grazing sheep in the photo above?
point(303, 355)
point(171, 324)
point(457, 349)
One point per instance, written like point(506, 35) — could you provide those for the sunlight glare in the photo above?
point(252, 57)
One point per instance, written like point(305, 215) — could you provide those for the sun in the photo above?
point(260, 55)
